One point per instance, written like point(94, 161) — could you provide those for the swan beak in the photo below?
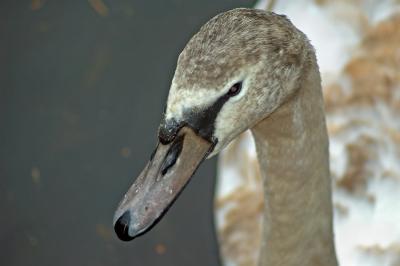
point(159, 184)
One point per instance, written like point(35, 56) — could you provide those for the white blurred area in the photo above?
point(358, 50)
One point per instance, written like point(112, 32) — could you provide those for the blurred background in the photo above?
point(82, 89)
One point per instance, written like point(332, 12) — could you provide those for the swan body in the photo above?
point(358, 53)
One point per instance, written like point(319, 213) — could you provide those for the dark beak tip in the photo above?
point(121, 227)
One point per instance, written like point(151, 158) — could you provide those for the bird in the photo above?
point(247, 69)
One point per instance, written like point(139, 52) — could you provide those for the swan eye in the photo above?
point(235, 89)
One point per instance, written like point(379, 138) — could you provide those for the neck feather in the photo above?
point(292, 148)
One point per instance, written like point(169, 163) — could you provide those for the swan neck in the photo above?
point(293, 151)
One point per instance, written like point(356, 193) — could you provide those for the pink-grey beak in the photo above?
point(159, 184)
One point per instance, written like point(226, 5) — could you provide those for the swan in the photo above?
point(241, 212)
point(246, 69)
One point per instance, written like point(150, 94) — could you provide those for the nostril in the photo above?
point(172, 155)
point(121, 227)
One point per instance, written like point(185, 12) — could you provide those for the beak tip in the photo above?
point(121, 227)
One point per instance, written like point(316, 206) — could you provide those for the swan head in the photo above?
point(241, 66)
point(260, 53)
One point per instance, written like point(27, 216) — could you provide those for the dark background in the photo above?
point(82, 89)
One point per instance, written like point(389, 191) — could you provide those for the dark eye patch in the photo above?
point(202, 121)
